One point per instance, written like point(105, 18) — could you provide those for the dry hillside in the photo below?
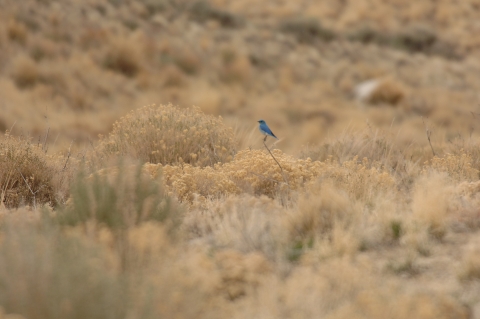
point(77, 66)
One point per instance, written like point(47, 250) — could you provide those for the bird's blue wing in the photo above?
point(265, 128)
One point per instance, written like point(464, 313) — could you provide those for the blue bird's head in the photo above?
point(261, 121)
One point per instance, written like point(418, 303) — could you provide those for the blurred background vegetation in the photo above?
point(311, 69)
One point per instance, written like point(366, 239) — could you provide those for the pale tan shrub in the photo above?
point(384, 223)
point(187, 61)
point(319, 210)
point(236, 70)
point(25, 71)
point(173, 77)
point(457, 166)
point(379, 303)
point(42, 48)
point(362, 180)
point(240, 274)
point(431, 202)
point(465, 205)
point(170, 135)
point(188, 181)
point(17, 31)
point(346, 288)
point(379, 148)
point(324, 223)
point(468, 147)
point(123, 57)
point(256, 172)
point(251, 171)
point(328, 218)
point(245, 223)
point(470, 265)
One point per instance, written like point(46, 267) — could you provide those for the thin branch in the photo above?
point(66, 162)
point(11, 128)
point(31, 191)
point(44, 147)
point(281, 168)
point(55, 142)
point(429, 133)
point(68, 156)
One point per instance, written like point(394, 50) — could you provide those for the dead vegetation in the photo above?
point(241, 231)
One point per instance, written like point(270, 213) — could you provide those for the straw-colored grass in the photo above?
point(28, 176)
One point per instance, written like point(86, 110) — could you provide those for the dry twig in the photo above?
point(429, 133)
point(281, 168)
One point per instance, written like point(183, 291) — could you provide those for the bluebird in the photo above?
point(263, 127)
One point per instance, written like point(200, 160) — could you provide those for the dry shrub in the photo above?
point(255, 172)
point(366, 33)
point(75, 272)
point(236, 70)
point(461, 147)
point(123, 57)
point(318, 211)
point(170, 135)
point(307, 30)
point(431, 202)
point(28, 176)
point(42, 49)
point(346, 288)
point(458, 167)
point(173, 77)
point(202, 11)
point(465, 207)
point(387, 91)
point(92, 37)
point(25, 71)
point(39, 281)
point(415, 38)
point(380, 149)
point(240, 273)
point(17, 31)
point(470, 266)
point(245, 223)
point(324, 218)
point(330, 217)
point(376, 304)
point(188, 182)
point(251, 171)
point(188, 61)
point(362, 180)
